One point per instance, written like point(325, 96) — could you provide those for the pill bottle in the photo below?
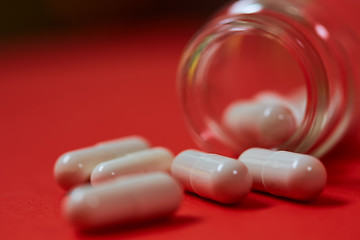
point(296, 49)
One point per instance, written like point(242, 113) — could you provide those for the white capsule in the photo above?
point(285, 174)
point(259, 124)
point(149, 160)
point(73, 168)
point(124, 200)
point(212, 176)
point(296, 105)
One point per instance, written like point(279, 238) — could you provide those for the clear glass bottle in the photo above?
point(296, 49)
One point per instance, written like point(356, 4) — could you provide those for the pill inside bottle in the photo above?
point(131, 199)
point(148, 160)
point(259, 123)
point(285, 174)
point(212, 176)
point(74, 168)
point(295, 101)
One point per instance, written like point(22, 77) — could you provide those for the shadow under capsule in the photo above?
point(163, 223)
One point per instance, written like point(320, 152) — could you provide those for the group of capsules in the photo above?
point(132, 182)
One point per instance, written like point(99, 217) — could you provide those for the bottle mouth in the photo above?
point(242, 57)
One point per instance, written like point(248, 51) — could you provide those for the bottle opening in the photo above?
point(258, 81)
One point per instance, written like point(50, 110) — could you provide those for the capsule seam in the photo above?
point(262, 174)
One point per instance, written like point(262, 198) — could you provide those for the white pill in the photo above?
point(212, 176)
point(73, 168)
point(124, 200)
point(149, 160)
point(260, 124)
point(285, 174)
point(297, 106)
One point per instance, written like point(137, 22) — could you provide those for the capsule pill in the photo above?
point(148, 160)
point(135, 198)
point(285, 174)
point(212, 176)
point(259, 123)
point(296, 105)
point(74, 168)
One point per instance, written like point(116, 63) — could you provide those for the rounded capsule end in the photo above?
point(66, 172)
point(277, 124)
point(75, 207)
point(97, 175)
point(231, 182)
point(308, 178)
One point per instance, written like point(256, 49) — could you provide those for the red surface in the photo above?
point(66, 91)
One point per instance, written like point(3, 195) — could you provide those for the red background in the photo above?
point(64, 91)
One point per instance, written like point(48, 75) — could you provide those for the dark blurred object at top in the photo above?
point(21, 16)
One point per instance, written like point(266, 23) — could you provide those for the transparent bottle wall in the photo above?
point(271, 74)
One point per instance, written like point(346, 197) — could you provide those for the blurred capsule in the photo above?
point(286, 174)
point(258, 123)
point(73, 168)
point(296, 104)
point(149, 160)
point(212, 176)
point(134, 198)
